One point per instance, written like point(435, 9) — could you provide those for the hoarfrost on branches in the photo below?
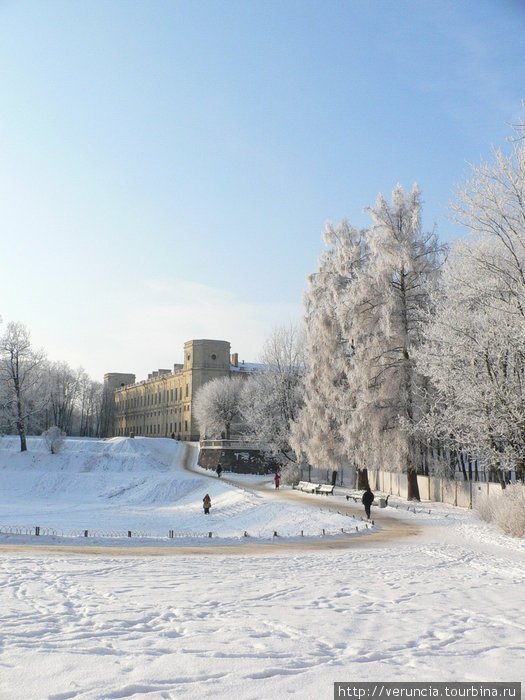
point(273, 396)
point(217, 406)
point(364, 310)
point(474, 342)
point(20, 379)
point(318, 431)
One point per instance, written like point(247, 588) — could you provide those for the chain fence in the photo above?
point(39, 531)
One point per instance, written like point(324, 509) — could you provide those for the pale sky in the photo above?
point(167, 167)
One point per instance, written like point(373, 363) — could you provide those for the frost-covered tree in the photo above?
point(364, 311)
point(475, 357)
point(20, 378)
point(474, 350)
point(217, 406)
point(273, 395)
point(387, 305)
point(319, 430)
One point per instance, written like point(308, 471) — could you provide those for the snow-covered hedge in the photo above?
point(506, 510)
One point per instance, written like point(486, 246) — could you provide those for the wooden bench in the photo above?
point(326, 489)
point(380, 499)
point(307, 487)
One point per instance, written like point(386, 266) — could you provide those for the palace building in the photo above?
point(162, 404)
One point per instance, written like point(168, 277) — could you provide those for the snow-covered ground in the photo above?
point(114, 486)
point(445, 604)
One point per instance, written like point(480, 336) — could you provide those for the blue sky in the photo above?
point(167, 167)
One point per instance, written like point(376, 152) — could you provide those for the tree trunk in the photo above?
point(362, 479)
point(22, 434)
point(20, 423)
point(463, 466)
point(413, 486)
point(497, 475)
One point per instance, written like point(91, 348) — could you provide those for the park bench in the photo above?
point(326, 489)
point(380, 499)
point(307, 487)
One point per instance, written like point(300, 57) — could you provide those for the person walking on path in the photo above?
point(219, 470)
point(206, 504)
point(277, 479)
point(368, 499)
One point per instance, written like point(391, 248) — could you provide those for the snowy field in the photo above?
point(445, 604)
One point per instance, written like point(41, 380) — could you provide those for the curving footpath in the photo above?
point(389, 529)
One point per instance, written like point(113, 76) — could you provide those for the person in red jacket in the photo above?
point(277, 479)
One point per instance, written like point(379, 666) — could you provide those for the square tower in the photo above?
point(208, 355)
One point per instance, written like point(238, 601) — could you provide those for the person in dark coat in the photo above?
point(219, 470)
point(206, 504)
point(368, 499)
point(277, 479)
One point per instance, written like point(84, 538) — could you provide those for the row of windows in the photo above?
point(154, 429)
point(161, 396)
point(153, 414)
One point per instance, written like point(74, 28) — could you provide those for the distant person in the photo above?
point(206, 504)
point(219, 470)
point(276, 479)
point(368, 499)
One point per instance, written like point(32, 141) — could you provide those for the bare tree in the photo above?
point(90, 406)
point(217, 406)
point(19, 373)
point(474, 343)
point(273, 396)
point(64, 391)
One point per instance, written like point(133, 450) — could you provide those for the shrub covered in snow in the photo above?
point(54, 439)
point(506, 510)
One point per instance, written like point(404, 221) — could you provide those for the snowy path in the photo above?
point(175, 496)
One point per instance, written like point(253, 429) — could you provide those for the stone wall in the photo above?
point(237, 460)
point(456, 493)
